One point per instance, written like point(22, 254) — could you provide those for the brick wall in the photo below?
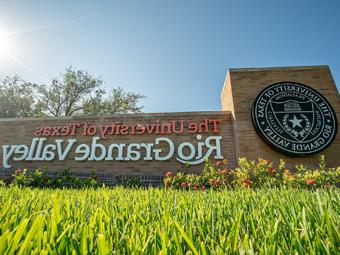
point(21, 131)
point(240, 90)
point(239, 137)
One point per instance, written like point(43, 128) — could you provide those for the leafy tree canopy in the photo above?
point(75, 92)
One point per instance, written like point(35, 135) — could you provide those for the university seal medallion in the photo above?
point(294, 119)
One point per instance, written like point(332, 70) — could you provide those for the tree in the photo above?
point(17, 98)
point(69, 94)
point(119, 101)
point(77, 92)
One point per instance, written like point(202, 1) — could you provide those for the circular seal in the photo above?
point(294, 119)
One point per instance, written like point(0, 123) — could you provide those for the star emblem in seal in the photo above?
point(296, 122)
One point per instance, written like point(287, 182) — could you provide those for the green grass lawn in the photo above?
point(158, 221)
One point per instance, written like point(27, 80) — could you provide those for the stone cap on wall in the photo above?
point(143, 115)
point(242, 69)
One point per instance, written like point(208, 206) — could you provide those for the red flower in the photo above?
point(18, 171)
point(169, 174)
point(246, 183)
point(184, 185)
point(272, 170)
point(222, 172)
point(311, 182)
point(268, 162)
point(217, 182)
point(219, 163)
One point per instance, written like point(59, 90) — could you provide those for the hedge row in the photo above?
point(214, 175)
point(40, 178)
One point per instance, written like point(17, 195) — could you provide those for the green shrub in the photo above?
point(40, 179)
point(128, 181)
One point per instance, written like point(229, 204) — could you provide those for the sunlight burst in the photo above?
point(6, 45)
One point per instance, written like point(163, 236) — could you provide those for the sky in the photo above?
point(177, 53)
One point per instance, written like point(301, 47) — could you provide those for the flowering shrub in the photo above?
point(214, 175)
point(258, 174)
point(255, 174)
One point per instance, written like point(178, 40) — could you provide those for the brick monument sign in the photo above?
point(273, 113)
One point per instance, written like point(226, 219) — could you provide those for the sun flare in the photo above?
point(6, 45)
